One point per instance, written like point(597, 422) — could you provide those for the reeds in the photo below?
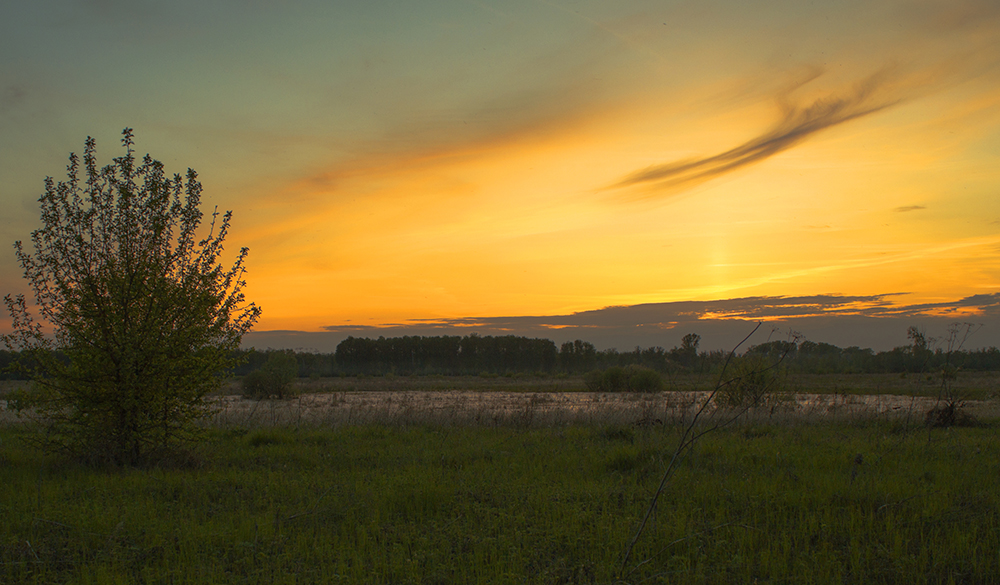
point(554, 409)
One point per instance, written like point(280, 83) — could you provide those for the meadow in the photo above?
point(874, 497)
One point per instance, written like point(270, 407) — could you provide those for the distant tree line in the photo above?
point(918, 357)
point(502, 355)
point(448, 355)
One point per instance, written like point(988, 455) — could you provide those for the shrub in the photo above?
point(273, 379)
point(143, 318)
point(950, 414)
point(615, 379)
point(753, 381)
point(641, 379)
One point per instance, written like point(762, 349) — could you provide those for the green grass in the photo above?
point(380, 504)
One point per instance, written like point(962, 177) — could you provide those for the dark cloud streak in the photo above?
point(798, 123)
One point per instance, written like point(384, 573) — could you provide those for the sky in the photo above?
point(625, 172)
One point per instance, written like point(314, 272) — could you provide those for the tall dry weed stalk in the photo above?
point(751, 396)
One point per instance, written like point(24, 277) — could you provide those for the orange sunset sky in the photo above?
point(391, 162)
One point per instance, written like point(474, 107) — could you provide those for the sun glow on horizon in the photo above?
point(529, 226)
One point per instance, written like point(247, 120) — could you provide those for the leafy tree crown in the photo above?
point(142, 315)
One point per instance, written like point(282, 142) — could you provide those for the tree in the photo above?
point(920, 352)
point(687, 354)
point(139, 316)
point(577, 356)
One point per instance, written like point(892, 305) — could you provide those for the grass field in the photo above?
point(869, 501)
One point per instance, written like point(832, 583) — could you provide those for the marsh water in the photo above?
point(547, 408)
point(551, 402)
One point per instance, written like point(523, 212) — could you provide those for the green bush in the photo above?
point(615, 379)
point(642, 379)
point(273, 379)
point(754, 381)
point(138, 316)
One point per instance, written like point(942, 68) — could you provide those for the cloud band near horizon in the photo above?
point(865, 321)
point(668, 315)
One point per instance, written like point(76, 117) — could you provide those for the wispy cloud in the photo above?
point(906, 208)
point(798, 122)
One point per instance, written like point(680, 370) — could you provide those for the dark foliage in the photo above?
point(473, 355)
point(445, 355)
point(143, 317)
point(274, 378)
